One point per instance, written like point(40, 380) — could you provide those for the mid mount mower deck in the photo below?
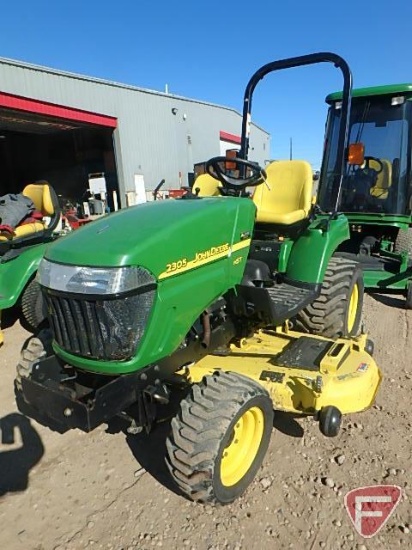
point(183, 298)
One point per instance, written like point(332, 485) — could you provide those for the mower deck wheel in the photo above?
point(219, 437)
point(330, 419)
point(370, 347)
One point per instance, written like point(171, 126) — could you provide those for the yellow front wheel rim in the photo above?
point(243, 447)
point(353, 307)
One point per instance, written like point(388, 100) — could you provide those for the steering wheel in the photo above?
point(367, 164)
point(216, 167)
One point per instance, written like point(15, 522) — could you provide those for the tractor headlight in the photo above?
point(92, 280)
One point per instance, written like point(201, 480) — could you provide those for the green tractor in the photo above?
point(190, 299)
point(376, 192)
point(20, 254)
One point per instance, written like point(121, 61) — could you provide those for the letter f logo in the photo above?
point(369, 508)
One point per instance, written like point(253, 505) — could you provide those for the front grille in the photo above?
point(102, 328)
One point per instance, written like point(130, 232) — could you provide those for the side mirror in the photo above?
point(356, 154)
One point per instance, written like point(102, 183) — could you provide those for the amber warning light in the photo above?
point(356, 153)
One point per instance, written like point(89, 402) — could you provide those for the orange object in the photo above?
point(356, 153)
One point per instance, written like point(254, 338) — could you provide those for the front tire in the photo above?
point(32, 306)
point(408, 297)
point(403, 242)
point(337, 312)
point(220, 437)
point(35, 348)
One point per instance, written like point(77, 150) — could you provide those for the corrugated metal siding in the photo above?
point(150, 139)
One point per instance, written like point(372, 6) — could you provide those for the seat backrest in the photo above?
point(208, 186)
point(287, 197)
point(384, 178)
point(41, 195)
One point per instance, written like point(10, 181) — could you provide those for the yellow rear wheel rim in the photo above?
point(243, 447)
point(353, 307)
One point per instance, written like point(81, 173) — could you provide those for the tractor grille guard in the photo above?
point(105, 328)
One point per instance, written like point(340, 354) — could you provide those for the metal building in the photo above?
point(63, 127)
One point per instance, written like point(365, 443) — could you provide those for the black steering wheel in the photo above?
point(367, 164)
point(217, 168)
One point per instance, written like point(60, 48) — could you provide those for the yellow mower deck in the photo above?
point(302, 374)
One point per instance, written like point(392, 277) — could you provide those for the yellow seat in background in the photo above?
point(208, 186)
point(384, 179)
point(40, 194)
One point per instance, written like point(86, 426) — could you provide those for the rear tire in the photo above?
point(32, 306)
point(337, 312)
point(219, 437)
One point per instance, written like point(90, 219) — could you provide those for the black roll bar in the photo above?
point(311, 59)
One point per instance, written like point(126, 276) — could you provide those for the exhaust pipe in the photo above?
point(206, 329)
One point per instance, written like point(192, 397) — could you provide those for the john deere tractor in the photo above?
point(376, 192)
point(191, 298)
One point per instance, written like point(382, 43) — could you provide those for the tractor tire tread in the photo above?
point(32, 306)
point(403, 242)
point(325, 316)
point(198, 428)
point(34, 348)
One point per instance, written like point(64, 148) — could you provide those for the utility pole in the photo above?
point(290, 149)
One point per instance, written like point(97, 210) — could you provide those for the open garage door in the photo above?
point(41, 141)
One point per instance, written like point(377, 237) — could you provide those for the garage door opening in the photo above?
point(64, 151)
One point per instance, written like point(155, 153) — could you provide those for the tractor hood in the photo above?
point(162, 236)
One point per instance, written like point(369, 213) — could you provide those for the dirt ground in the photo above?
point(107, 490)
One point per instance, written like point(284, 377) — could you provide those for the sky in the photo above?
point(208, 50)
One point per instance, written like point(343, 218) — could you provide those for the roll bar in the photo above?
point(311, 59)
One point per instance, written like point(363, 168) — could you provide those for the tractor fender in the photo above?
point(16, 273)
point(312, 251)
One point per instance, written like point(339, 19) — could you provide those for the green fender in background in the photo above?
point(16, 273)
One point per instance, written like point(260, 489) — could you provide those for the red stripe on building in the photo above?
point(49, 109)
point(230, 137)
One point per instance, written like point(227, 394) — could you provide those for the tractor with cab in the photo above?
point(376, 192)
point(192, 298)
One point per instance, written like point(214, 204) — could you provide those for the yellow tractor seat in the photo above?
point(384, 179)
point(286, 197)
point(45, 201)
point(207, 185)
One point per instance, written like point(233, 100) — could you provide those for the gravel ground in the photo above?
point(106, 490)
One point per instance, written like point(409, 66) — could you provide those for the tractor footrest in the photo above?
point(278, 303)
point(303, 353)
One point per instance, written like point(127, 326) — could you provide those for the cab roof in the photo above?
point(391, 89)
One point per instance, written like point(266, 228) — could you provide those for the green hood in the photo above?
point(156, 234)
